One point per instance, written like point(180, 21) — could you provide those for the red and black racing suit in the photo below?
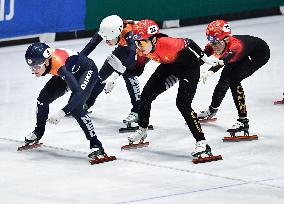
point(178, 63)
point(243, 55)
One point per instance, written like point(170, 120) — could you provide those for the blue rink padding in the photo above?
point(28, 17)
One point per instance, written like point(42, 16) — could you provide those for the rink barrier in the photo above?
point(78, 34)
point(173, 10)
point(23, 18)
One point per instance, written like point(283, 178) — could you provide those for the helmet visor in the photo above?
point(211, 38)
point(36, 67)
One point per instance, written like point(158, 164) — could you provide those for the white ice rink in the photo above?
point(59, 173)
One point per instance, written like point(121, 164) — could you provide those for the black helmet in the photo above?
point(37, 53)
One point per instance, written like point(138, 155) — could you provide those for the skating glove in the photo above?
point(205, 75)
point(110, 82)
point(212, 60)
point(116, 63)
point(55, 119)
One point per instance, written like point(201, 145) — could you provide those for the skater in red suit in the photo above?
point(177, 63)
point(242, 55)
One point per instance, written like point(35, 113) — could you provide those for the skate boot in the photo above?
point(96, 152)
point(131, 118)
point(240, 126)
point(31, 142)
point(138, 136)
point(98, 155)
point(31, 138)
point(202, 153)
point(280, 101)
point(207, 115)
point(201, 147)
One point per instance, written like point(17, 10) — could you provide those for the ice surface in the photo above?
point(59, 173)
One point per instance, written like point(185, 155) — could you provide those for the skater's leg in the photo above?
point(121, 53)
point(217, 97)
point(161, 80)
point(189, 75)
point(87, 126)
point(80, 114)
point(53, 89)
point(157, 84)
point(239, 99)
point(104, 73)
point(183, 102)
point(186, 92)
point(220, 89)
point(245, 69)
point(133, 89)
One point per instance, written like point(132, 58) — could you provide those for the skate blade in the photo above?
point(27, 147)
point(135, 146)
point(133, 129)
point(278, 102)
point(102, 160)
point(240, 138)
point(207, 120)
point(209, 158)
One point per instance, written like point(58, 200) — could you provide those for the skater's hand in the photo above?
point(116, 63)
point(205, 75)
point(55, 119)
point(212, 60)
point(110, 82)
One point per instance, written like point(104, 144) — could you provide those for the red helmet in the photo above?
point(144, 29)
point(218, 30)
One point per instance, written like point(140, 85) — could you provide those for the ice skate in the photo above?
point(240, 126)
point(98, 155)
point(138, 136)
point(31, 142)
point(129, 120)
point(207, 115)
point(202, 153)
point(280, 102)
point(133, 129)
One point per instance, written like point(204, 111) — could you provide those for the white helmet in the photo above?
point(111, 27)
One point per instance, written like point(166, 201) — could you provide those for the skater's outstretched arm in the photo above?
point(189, 43)
point(96, 39)
point(131, 47)
point(205, 75)
point(138, 68)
